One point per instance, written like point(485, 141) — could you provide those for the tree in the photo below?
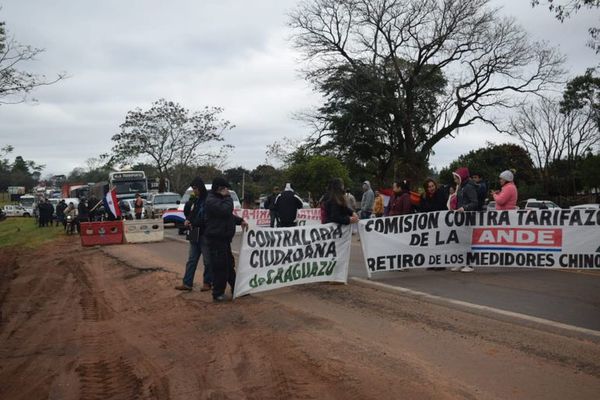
point(168, 135)
point(491, 160)
point(21, 172)
point(583, 93)
point(457, 57)
point(15, 83)
point(312, 175)
point(550, 136)
point(564, 9)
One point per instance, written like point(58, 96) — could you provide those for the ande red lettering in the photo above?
point(517, 237)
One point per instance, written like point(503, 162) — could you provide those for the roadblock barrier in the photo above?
point(101, 233)
point(144, 231)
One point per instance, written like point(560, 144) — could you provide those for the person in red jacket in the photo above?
point(506, 198)
point(400, 202)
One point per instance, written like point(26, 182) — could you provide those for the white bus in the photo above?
point(128, 184)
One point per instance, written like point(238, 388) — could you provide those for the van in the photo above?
point(186, 196)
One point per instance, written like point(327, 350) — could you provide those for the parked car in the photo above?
point(590, 206)
point(12, 210)
point(534, 204)
point(158, 203)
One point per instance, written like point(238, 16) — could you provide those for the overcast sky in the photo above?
point(121, 55)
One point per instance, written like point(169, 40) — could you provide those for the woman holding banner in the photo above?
point(335, 208)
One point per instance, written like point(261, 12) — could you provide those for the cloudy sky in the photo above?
point(121, 55)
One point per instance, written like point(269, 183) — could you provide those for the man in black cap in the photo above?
point(220, 229)
point(196, 224)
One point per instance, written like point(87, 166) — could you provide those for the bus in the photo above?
point(128, 184)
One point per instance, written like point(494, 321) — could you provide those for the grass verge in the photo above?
point(23, 232)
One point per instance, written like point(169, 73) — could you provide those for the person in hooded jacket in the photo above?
point(287, 205)
point(219, 231)
point(466, 199)
point(195, 218)
point(367, 201)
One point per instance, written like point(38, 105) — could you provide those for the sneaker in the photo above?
point(455, 269)
point(221, 299)
point(206, 287)
point(467, 269)
point(184, 287)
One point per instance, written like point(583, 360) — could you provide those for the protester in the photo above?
point(506, 198)
point(220, 229)
point(433, 198)
point(287, 205)
point(451, 203)
point(400, 202)
point(196, 224)
point(378, 204)
point(270, 205)
point(466, 199)
point(336, 208)
point(482, 190)
point(71, 214)
point(350, 200)
point(60, 212)
point(367, 201)
point(138, 206)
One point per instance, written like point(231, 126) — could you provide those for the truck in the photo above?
point(126, 184)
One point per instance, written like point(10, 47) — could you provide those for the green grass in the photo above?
point(23, 232)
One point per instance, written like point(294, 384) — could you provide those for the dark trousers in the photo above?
point(286, 224)
point(222, 263)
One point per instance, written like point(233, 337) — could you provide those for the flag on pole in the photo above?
point(111, 204)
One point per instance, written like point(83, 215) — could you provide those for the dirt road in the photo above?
point(91, 323)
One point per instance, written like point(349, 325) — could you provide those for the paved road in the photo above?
point(568, 297)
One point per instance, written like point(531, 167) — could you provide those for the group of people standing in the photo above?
point(211, 226)
point(211, 223)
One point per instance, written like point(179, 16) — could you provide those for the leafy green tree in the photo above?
point(491, 160)
point(311, 177)
point(20, 172)
point(583, 94)
point(167, 135)
point(432, 66)
point(15, 83)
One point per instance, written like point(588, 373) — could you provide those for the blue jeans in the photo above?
point(197, 249)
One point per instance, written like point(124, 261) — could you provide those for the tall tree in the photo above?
point(168, 135)
point(565, 8)
point(15, 83)
point(459, 52)
point(550, 136)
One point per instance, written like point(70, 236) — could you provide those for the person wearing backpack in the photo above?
point(195, 223)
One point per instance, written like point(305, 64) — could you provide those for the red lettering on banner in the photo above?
point(517, 237)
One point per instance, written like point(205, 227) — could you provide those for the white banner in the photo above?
point(260, 217)
point(559, 238)
point(272, 258)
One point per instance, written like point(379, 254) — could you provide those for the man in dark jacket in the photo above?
point(287, 205)
point(270, 205)
point(195, 222)
point(466, 199)
point(60, 212)
point(220, 229)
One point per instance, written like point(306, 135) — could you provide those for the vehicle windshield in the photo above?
point(166, 199)
point(27, 202)
point(130, 187)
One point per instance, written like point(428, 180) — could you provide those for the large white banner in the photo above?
point(260, 217)
point(272, 258)
point(559, 238)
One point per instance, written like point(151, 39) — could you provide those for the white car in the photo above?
point(131, 212)
point(533, 204)
point(16, 211)
point(590, 206)
point(158, 203)
point(186, 196)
